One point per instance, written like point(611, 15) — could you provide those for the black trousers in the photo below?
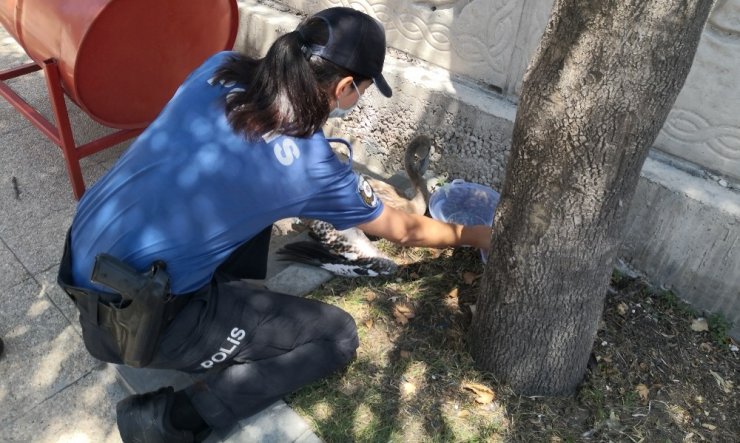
point(253, 346)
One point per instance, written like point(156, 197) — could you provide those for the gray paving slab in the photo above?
point(12, 271)
point(48, 282)
point(38, 243)
point(43, 355)
point(277, 423)
point(33, 176)
point(84, 412)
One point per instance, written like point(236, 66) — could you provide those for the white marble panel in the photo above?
point(483, 38)
point(473, 38)
point(535, 15)
point(704, 125)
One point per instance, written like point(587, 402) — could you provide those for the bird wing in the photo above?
point(317, 254)
point(347, 252)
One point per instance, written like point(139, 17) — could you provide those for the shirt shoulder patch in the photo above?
point(366, 192)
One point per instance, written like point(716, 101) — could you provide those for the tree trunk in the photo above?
point(594, 98)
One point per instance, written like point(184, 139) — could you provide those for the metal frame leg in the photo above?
point(61, 134)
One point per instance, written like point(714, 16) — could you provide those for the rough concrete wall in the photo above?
point(684, 232)
point(468, 143)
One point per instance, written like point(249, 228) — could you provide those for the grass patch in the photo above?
point(653, 378)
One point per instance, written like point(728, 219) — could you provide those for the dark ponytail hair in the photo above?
point(286, 91)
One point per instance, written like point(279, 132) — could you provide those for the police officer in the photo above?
point(238, 147)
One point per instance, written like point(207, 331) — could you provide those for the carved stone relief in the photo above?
point(483, 38)
point(473, 38)
point(704, 125)
point(537, 12)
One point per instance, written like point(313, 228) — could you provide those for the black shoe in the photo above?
point(145, 418)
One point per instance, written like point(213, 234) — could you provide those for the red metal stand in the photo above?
point(61, 134)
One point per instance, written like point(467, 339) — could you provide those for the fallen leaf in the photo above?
point(402, 312)
point(452, 303)
point(700, 325)
point(463, 413)
point(724, 385)
point(470, 277)
point(484, 399)
point(369, 323)
point(405, 354)
point(643, 391)
point(414, 275)
point(400, 318)
point(370, 296)
point(705, 347)
point(622, 309)
point(454, 293)
point(484, 394)
point(708, 426)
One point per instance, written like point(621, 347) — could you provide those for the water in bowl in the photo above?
point(464, 203)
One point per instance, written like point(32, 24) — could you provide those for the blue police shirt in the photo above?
point(190, 190)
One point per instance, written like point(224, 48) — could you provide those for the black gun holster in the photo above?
point(137, 320)
point(124, 326)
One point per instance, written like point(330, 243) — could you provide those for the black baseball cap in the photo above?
point(356, 42)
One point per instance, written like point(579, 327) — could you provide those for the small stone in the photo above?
point(722, 183)
point(699, 325)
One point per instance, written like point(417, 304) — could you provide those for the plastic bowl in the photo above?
point(464, 203)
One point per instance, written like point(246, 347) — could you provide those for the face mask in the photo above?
point(342, 112)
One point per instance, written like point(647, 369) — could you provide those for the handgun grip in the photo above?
point(117, 275)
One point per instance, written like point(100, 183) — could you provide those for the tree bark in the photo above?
point(595, 96)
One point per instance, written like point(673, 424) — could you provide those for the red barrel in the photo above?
point(121, 60)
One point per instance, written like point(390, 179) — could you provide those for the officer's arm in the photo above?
point(416, 230)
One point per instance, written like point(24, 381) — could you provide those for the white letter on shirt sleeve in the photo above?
point(287, 152)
